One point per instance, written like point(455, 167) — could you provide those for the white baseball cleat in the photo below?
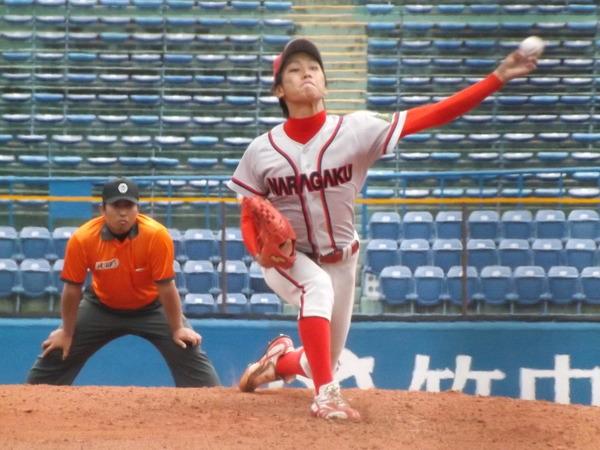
point(330, 404)
point(263, 371)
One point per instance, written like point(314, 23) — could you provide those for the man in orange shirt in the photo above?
point(133, 291)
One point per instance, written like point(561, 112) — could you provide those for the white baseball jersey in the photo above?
point(315, 184)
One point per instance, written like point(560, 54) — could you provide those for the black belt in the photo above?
point(335, 256)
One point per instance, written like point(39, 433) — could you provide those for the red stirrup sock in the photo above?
point(315, 333)
point(289, 364)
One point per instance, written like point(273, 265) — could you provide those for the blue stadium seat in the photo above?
point(590, 285)
point(36, 242)
point(7, 159)
point(418, 8)
point(414, 253)
point(530, 285)
point(210, 80)
point(385, 225)
point(396, 285)
point(134, 161)
point(430, 287)
point(32, 139)
point(103, 139)
point(144, 99)
point(584, 224)
point(514, 252)
point(234, 244)
point(179, 245)
point(200, 243)
point(482, 192)
point(167, 141)
point(236, 275)
point(81, 119)
point(16, 118)
point(10, 278)
point(55, 272)
point(484, 224)
point(584, 192)
point(456, 281)
point(214, 5)
point(36, 277)
point(164, 162)
point(235, 303)
point(265, 303)
point(277, 5)
point(586, 138)
point(111, 119)
point(550, 224)
point(582, 8)
point(517, 224)
point(203, 141)
point(178, 58)
point(580, 253)
point(257, 281)
point(448, 224)
point(9, 242)
point(497, 285)
point(484, 28)
point(547, 253)
point(60, 236)
point(199, 304)
point(376, 8)
point(179, 279)
point(451, 8)
point(446, 253)
point(176, 99)
point(481, 253)
point(240, 100)
point(418, 225)
point(33, 160)
point(84, 3)
point(113, 58)
point(563, 285)
point(199, 277)
point(381, 253)
point(102, 161)
point(409, 46)
point(239, 121)
point(446, 45)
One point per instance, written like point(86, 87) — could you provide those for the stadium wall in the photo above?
point(553, 361)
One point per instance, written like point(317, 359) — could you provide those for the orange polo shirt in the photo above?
point(124, 274)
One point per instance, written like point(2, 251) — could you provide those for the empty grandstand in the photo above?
point(170, 92)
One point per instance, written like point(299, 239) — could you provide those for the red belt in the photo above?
point(337, 255)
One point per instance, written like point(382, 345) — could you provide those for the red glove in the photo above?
point(273, 240)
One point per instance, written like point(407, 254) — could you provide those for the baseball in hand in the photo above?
point(532, 46)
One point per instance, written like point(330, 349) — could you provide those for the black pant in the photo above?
point(97, 325)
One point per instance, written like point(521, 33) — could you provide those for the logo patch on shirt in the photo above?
point(104, 265)
point(386, 117)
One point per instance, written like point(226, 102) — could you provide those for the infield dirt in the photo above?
point(90, 417)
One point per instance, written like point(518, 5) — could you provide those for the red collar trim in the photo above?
point(303, 130)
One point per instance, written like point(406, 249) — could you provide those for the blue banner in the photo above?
point(558, 362)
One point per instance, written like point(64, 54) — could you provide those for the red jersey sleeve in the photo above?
point(436, 114)
point(248, 230)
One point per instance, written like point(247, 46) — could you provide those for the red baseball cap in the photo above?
point(296, 46)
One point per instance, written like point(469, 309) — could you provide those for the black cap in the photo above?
point(117, 189)
point(296, 46)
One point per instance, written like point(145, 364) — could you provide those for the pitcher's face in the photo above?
point(302, 81)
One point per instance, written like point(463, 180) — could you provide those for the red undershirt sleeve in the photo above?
point(248, 230)
point(436, 114)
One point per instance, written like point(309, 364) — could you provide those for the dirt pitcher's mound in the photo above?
point(90, 417)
